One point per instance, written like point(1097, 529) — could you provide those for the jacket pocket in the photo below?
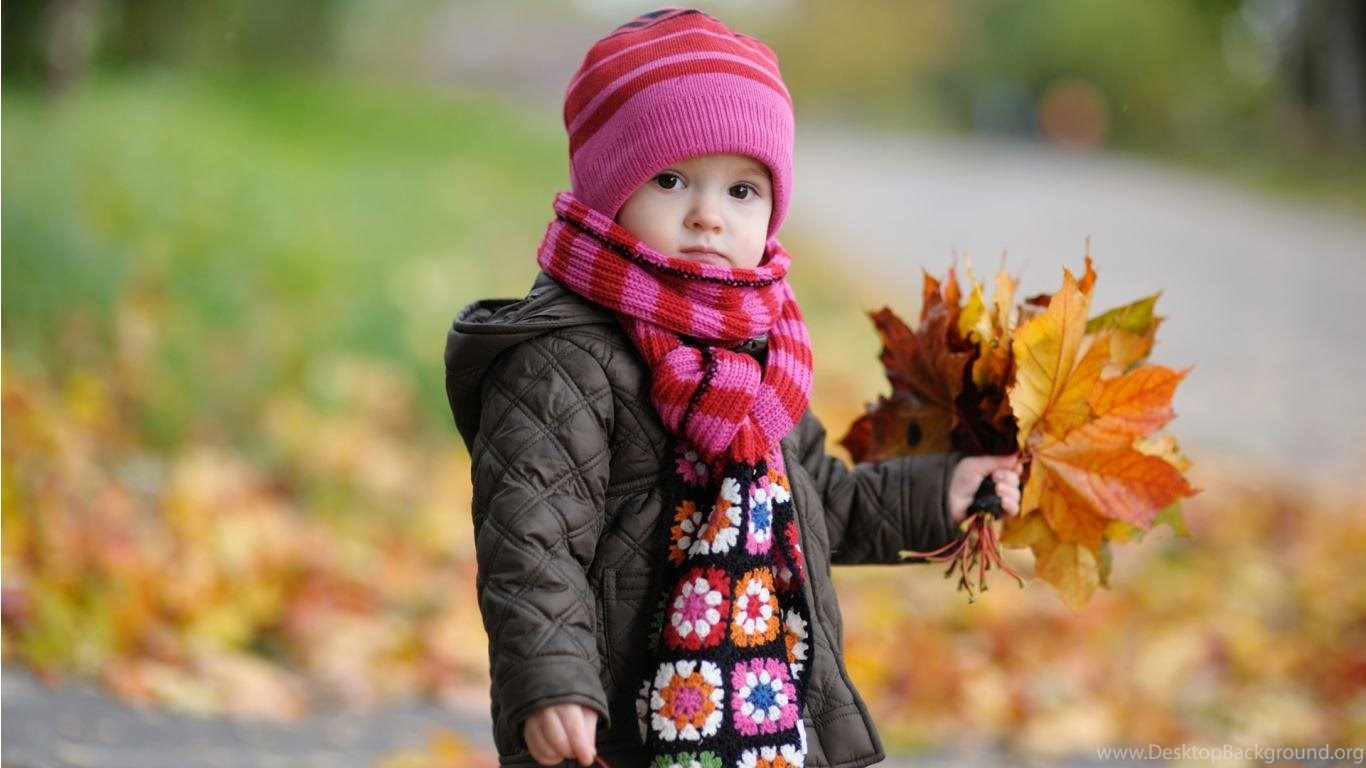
point(626, 623)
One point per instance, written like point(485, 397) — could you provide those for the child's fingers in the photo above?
point(590, 729)
point(556, 738)
point(536, 743)
point(1008, 490)
point(1010, 498)
point(580, 734)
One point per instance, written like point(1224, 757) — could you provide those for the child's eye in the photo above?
point(668, 180)
point(743, 191)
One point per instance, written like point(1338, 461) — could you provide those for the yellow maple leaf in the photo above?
point(1072, 569)
point(1046, 350)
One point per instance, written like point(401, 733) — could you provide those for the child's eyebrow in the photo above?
point(754, 169)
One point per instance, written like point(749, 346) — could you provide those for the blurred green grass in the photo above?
point(263, 222)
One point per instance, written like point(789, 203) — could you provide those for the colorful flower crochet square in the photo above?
point(763, 701)
point(698, 610)
point(687, 700)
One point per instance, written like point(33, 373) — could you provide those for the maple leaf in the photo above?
point(1065, 565)
point(1084, 486)
point(974, 322)
point(1137, 317)
point(1165, 448)
point(1134, 328)
point(1080, 428)
point(990, 329)
point(1073, 569)
point(899, 426)
point(934, 295)
point(1130, 406)
point(1046, 350)
point(926, 377)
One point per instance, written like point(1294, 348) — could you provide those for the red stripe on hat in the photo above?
point(609, 107)
point(758, 47)
point(692, 41)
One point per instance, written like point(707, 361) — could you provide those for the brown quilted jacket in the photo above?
point(553, 403)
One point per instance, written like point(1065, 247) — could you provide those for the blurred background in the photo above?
point(234, 234)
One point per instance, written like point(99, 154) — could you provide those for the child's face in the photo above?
point(712, 208)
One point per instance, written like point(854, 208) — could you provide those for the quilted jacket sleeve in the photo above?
point(540, 470)
point(875, 510)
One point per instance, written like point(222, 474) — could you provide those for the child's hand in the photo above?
point(970, 472)
point(562, 732)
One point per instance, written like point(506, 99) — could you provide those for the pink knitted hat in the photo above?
point(668, 86)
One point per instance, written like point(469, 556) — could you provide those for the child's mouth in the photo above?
point(710, 257)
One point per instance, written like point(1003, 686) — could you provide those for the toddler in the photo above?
point(655, 513)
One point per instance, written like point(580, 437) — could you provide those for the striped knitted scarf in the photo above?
point(730, 639)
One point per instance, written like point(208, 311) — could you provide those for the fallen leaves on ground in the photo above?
point(208, 580)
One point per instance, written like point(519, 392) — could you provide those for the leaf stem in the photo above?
point(977, 549)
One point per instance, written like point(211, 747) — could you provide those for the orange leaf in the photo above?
point(1128, 349)
point(1070, 516)
point(1135, 330)
point(1120, 484)
point(1128, 407)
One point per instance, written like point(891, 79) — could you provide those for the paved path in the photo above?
point(77, 726)
point(1266, 297)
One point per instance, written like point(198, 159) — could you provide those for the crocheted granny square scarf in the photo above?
point(730, 642)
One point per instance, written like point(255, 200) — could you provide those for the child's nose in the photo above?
point(705, 213)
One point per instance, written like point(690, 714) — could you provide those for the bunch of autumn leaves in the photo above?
point(1073, 393)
